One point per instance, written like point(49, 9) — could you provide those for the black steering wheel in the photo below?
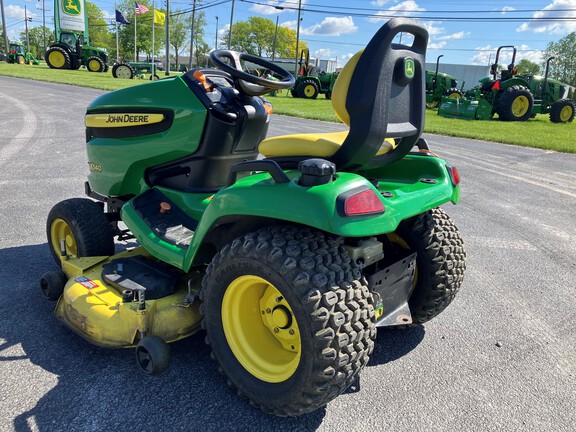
point(252, 85)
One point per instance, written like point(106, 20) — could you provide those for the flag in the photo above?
point(121, 18)
point(159, 17)
point(140, 8)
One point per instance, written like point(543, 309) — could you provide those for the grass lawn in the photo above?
point(538, 132)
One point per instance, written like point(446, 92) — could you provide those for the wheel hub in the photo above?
point(260, 329)
point(566, 113)
point(520, 106)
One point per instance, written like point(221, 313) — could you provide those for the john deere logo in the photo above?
point(71, 7)
point(409, 68)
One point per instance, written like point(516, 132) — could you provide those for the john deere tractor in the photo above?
point(17, 54)
point(311, 80)
point(289, 263)
point(71, 53)
point(440, 84)
point(512, 97)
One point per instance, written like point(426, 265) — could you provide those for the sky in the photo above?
point(463, 31)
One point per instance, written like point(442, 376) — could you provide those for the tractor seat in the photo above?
point(327, 144)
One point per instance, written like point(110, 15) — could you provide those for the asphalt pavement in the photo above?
point(500, 358)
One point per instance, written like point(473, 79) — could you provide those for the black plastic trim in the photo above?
point(266, 165)
point(341, 202)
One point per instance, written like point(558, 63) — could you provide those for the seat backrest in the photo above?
point(380, 94)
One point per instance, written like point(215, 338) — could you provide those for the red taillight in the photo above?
point(454, 175)
point(358, 203)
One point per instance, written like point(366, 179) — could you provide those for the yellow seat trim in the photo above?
point(317, 145)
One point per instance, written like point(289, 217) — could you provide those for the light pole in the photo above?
point(230, 29)
point(167, 67)
point(216, 37)
point(192, 35)
point(275, 37)
point(298, 35)
point(4, 26)
point(26, 20)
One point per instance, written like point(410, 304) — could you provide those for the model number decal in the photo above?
point(86, 283)
point(94, 167)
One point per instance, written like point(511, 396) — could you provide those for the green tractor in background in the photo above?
point(17, 54)
point(512, 97)
point(311, 80)
point(70, 52)
point(440, 84)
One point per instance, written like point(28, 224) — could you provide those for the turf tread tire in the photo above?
point(333, 297)
point(92, 230)
point(441, 262)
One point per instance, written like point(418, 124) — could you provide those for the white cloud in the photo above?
point(274, 7)
point(331, 26)
point(380, 3)
point(14, 12)
point(507, 9)
point(402, 9)
point(551, 11)
point(487, 54)
point(455, 36)
point(323, 53)
point(437, 46)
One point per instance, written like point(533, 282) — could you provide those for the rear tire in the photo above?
point(440, 263)
point(123, 70)
point(83, 227)
point(20, 60)
point(515, 104)
point(453, 93)
point(562, 111)
point(308, 89)
point(289, 318)
point(57, 58)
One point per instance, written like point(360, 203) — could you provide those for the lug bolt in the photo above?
point(291, 331)
point(276, 329)
point(268, 310)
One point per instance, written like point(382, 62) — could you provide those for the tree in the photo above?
point(178, 35)
point(526, 67)
point(256, 37)
point(100, 35)
point(36, 39)
point(563, 67)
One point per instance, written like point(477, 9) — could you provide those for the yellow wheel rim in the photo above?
point(432, 104)
point(21, 60)
point(60, 230)
point(261, 329)
point(566, 113)
point(57, 59)
point(94, 65)
point(309, 90)
point(520, 106)
point(454, 96)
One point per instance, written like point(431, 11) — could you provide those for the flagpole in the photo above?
point(135, 52)
point(117, 55)
point(153, 16)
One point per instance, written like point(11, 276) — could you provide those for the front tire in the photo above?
point(440, 263)
point(95, 64)
point(81, 225)
point(289, 318)
point(123, 70)
point(562, 111)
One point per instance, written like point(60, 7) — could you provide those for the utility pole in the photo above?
point(298, 35)
point(216, 37)
point(167, 68)
point(192, 35)
point(275, 37)
point(44, 25)
point(230, 29)
point(6, 45)
point(26, 21)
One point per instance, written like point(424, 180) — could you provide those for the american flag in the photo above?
point(140, 8)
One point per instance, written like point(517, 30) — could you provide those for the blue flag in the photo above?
point(120, 18)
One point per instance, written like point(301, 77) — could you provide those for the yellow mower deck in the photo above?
point(96, 311)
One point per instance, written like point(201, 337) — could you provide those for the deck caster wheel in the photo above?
point(52, 284)
point(153, 355)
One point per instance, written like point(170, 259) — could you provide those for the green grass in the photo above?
point(538, 132)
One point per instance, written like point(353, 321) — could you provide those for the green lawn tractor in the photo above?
point(312, 81)
point(440, 84)
point(512, 97)
point(71, 53)
point(288, 263)
point(17, 54)
point(130, 70)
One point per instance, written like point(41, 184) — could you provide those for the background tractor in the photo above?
point(131, 70)
point(70, 52)
point(438, 85)
point(512, 97)
point(311, 80)
point(17, 54)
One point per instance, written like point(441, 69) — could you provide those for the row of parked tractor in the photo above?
point(512, 96)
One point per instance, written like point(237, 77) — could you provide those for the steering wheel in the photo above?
point(252, 85)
